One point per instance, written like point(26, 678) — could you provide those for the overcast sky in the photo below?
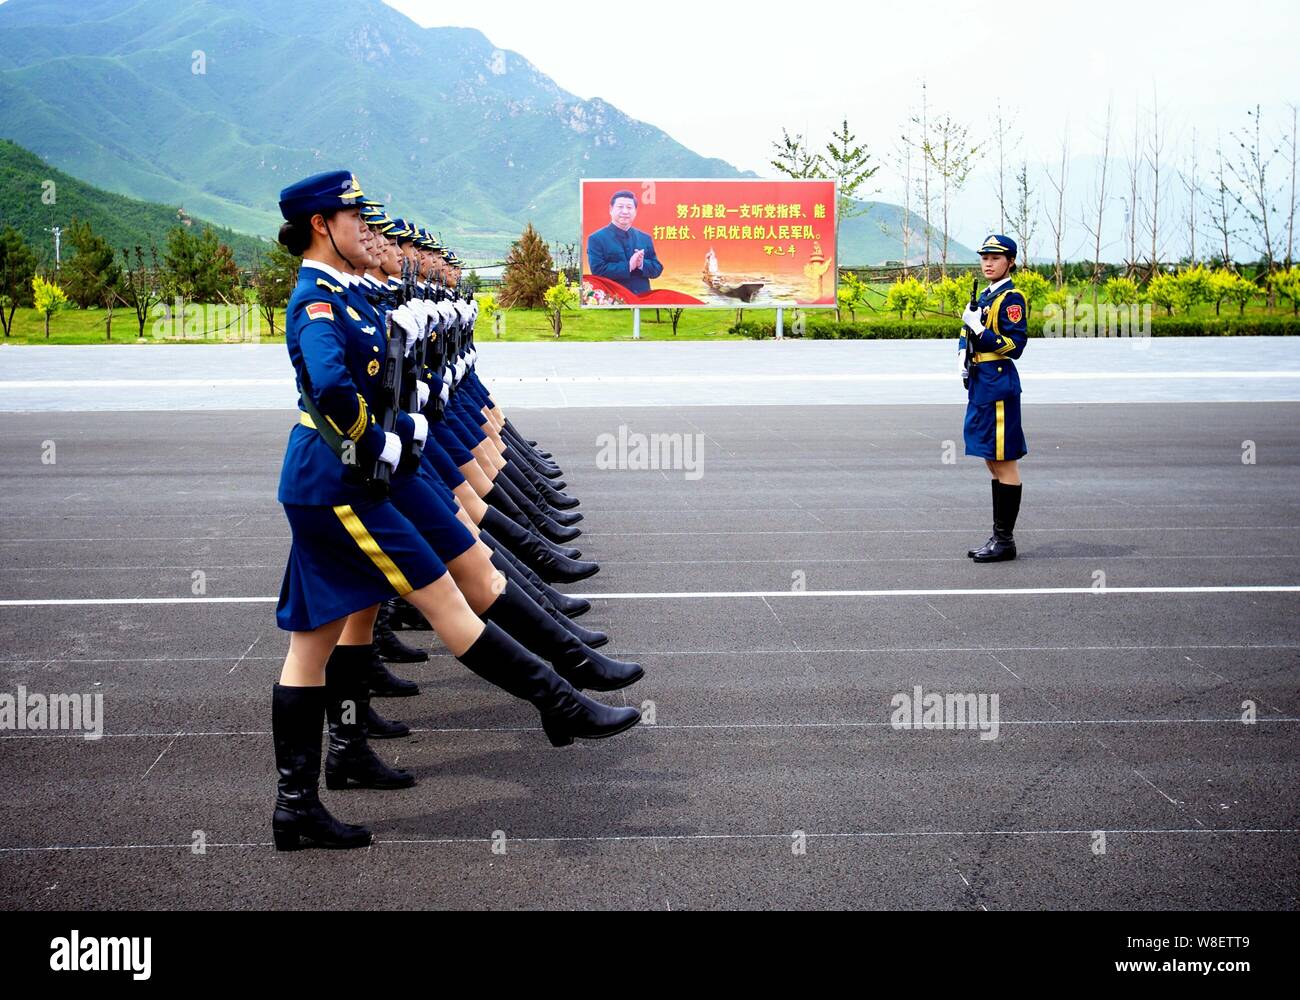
point(723, 78)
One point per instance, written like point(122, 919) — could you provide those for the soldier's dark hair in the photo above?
point(622, 194)
point(295, 235)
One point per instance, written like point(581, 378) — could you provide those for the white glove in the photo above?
point(444, 392)
point(421, 392)
point(404, 319)
point(447, 312)
point(460, 370)
point(971, 317)
point(392, 453)
point(421, 427)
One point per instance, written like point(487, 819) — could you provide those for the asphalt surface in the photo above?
point(1120, 710)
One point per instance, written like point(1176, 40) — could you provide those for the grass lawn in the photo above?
point(86, 326)
point(221, 324)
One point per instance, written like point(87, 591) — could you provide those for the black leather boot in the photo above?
point(379, 728)
point(538, 520)
point(970, 553)
point(405, 615)
point(390, 647)
point(299, 819)
point(580, 665)
point(538, 489)
point(519, 575)
point(539, 458)
point(349, 759)
point(528, 553)
point(537, 553)
point(564, 517)
point(383, 683)
point(566, 714)
point(1006, 508)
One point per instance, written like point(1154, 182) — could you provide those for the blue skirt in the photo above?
point(451, 443)
point(420, 503)
point(993, 430)
point(438, 462)
point(348, 558)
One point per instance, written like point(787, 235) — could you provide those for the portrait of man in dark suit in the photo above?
point(621, 253)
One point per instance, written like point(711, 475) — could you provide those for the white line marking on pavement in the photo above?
point(696, 594)
point(634, 838)
point(693, 379)
point(1234, 721)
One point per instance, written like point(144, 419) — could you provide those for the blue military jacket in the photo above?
point(608, 253)
point(338, 357)
point(993, 374)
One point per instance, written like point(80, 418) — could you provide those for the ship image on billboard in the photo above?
point(707, 243)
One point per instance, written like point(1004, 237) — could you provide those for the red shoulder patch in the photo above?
point(1014, 313)
point(320, 310)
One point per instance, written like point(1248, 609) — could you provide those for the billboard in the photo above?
point(707, 243)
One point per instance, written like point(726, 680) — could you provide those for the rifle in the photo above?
point(418, 357)
point(974, 301)
point(390, 390)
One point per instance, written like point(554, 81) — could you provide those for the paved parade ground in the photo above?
point(780, 595)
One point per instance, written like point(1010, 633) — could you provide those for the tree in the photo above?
point(1057, 222)
point(48, 298)
point(1033, 286)
point(1095, 230)
point(907, 295)
point(1132, 203)
point(1256, 196)
point(851, 294)
point(1155, 146)
point(1287, 284)
point(141, 287)
point(1192, 185)
point(472, 281)
point(793, 158)
point(926, 204)
point(1291, 204)
point(952, 155)
point(1162, 290)
point(559, 297)
point(675, 317)
point(198, 267)
point(1002, 131)
point(953, 294)
point(92, 268)
point(274, 276)
point(1239, 289)
point(1119, 291)
point(848, 162)
point(529, 272)
point(1024, 219)
point(1222, 207)
point(17, 268)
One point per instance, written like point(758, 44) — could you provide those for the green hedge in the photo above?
point(931, 328)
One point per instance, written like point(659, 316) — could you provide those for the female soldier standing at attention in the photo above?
point(351, 548)
point(994, 332)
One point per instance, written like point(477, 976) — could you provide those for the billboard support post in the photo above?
point(780, 323)
point(636, 324)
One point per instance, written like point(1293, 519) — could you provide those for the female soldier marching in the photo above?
point(352, 549)
point(994, 333)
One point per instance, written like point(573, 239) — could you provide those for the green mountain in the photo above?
point(217, 105)
point(37, 198)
